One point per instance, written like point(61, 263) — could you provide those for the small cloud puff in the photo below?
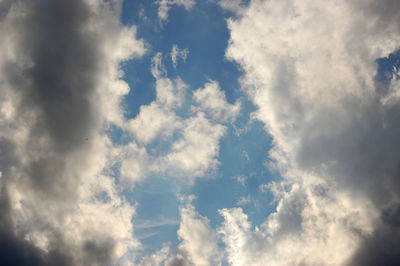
point(165, 5)
point(176, 54)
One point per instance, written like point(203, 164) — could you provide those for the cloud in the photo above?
point(235, 6)
point(161, 221)
point(60, 90)
point(212, 101)
point(310, 68)
point(165, 5)
point(242, 180)
point(176, 53)
point(198, 242)
point(244, 201)
point(159, 119)
point(189, 128)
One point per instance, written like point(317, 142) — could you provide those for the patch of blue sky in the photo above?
point(241, 172)
point(243, 151)
point(117, 135)
point(202, 30)
point(157, 213)
point(387, 67)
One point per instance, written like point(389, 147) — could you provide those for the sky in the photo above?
point(199, 132)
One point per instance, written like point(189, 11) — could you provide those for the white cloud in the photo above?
point(198, 242)
point(196, 152)
point(244, 201)
point(160, 221)
point(159, 119)
point(235, 6)
point(212, 101)
point(242, 180)
point(157, 258)
point(309, 67)
point(176, 53)
point(165, 5)
point(192, 143)
point(135, 163)
point(393, 95)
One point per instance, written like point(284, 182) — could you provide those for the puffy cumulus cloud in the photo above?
point(159, 119)
point(60, 89)
point(195, 153)
point(177, 134)
point(310, 69)
point(165, 5)
point(166, 256)
point(198, 242)
point(312, 225)
point(212, 101)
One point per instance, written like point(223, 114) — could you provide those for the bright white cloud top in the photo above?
point(177, 132)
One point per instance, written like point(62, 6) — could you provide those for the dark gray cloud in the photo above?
point(53, 87)
point(177, 261)
point(62, 79)
point(366, 163)
point(382, 248)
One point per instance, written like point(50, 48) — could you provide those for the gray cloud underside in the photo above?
point(311, 72)
point(53, 81)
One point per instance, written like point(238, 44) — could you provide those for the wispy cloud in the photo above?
point(176, 53)
point(161, 221)
point(165, 5)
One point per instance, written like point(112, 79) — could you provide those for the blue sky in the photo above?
point(203, 31)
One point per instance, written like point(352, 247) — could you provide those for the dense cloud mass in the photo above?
point(59, 91)
point(310, 67)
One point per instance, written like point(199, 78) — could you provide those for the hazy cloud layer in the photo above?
point(310, 68)
point(59, 90)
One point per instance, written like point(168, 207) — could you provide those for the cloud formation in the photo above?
point(310, 68)
point(60, 89)
point(165, 5)
point(186, 130)
point(198, 242)
point(176, 53)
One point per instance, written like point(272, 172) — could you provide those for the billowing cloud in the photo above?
point(188, 126)
point(198, 242)
point(60, 89)
point(310, 69)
